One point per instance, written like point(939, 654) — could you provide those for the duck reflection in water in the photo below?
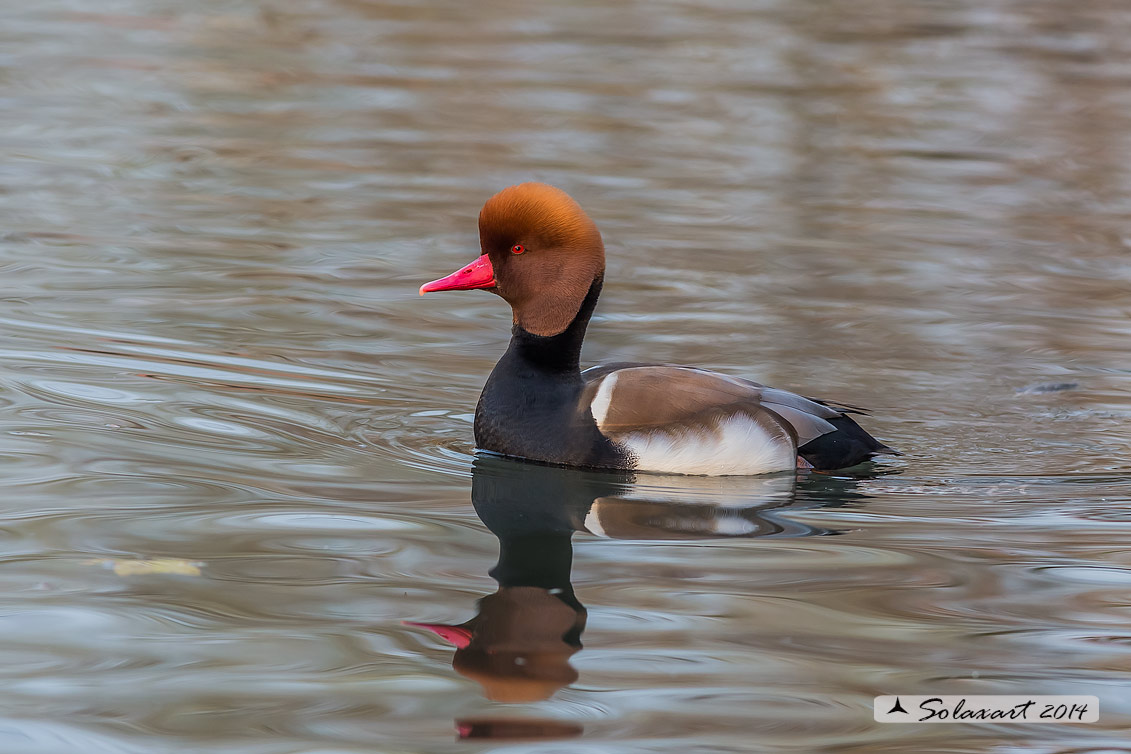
point(519, 644)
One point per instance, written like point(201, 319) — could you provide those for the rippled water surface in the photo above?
point(240, 506)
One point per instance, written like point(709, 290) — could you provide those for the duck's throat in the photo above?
point(560, 352)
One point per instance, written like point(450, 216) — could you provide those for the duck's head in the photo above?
point(519, 645)
point(541, 253)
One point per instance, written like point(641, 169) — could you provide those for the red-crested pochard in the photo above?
point(544, 256)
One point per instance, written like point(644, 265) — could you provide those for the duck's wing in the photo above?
point(691, 421)
point(684, 408)
point(626, 397)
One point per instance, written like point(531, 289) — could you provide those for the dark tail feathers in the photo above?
point(847, 446)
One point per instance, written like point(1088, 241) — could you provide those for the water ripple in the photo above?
point(236, 446)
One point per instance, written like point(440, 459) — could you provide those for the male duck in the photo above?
point(544, 256)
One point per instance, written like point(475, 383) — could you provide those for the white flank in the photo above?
point(740, 445)
point(593, 523)
point(604, 396)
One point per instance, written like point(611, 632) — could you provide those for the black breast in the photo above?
point(529, 406)
point(527, 412)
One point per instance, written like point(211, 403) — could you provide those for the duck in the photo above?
point(544, 256)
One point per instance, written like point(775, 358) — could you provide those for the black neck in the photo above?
point(542, 560)
point(561, 352)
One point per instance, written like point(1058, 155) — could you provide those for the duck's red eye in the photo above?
point(518, 248)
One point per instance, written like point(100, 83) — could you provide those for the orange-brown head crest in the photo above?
point(535, 212)
point(545, 251)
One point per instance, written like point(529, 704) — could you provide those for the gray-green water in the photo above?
point(235, 449)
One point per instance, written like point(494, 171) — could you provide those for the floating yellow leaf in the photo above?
point(156, 565)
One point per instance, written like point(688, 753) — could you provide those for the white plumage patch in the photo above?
point(739, 445)
point(593, 523)
point(604, 396)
